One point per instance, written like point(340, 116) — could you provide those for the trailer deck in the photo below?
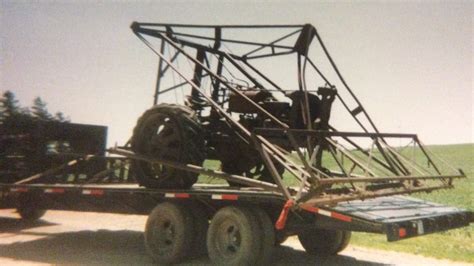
point(398, 217)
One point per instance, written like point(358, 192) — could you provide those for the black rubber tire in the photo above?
point(171, 132)
point(267, 246)
point(234, 237)
point(323, 242)
point(28, 208)
point(346, 238)
point(280, 238)
point(30, 214)
point(201, 224)
point(168, 233)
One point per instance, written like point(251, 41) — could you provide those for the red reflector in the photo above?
point(181, 195)
point(402, 232)
point(96, 192)
point(341, 217)
point(230, 197)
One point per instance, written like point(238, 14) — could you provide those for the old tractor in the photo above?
point(236, 102)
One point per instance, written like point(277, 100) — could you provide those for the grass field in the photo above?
point(456, 244)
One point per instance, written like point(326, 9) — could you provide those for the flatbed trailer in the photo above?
point(397, 217)
point(232, 116)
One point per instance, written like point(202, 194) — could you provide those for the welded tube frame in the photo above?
point(266, 148)
point(197, 169)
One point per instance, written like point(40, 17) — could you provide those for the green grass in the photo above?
point(456, 244)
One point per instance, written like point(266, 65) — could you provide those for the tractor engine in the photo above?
point(237, 155)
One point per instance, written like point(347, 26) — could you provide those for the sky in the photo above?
point(409, 63)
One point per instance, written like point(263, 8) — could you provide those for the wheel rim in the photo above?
point(165, 235)
point(255, 172)
point(228, 240)
point(161, 140)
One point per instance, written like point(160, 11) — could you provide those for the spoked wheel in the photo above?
point(168, 132)
point(169, 233)
point(323, 242)
point(234, 237)
point(259, 172)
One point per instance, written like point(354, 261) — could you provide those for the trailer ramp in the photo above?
point(401, 217)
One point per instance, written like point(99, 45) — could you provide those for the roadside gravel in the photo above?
point(63, 237)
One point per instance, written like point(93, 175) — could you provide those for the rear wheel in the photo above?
point(267, 245)
point(259, 172)
point(168, 233)
point(323, 242)
point(234, 237)
point(170, 132)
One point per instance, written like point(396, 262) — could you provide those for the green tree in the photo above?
point(11, 109)
point(9, 105)
point(59, 116)
point(39, 110)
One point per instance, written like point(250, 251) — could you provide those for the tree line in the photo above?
point(10, 108)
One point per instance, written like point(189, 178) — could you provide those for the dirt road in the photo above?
point(110, 239)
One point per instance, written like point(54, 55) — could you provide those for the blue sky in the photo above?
point(409, 63)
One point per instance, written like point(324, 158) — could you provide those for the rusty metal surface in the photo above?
point(239, 110)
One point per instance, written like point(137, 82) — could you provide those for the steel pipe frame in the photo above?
point(346, 136)
point(333, 199)
point(197, 169)
point(393, 161)
point(267, 146)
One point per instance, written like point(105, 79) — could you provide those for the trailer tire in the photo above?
point(201, 225)
point(322, 242)
point(170, 132)
point(168, 233)
point(280, 238)
point(234, 237)
point(30, 214)
point(346, 238)
point(28, 208)
point(267, 246)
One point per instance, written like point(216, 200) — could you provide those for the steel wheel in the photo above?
point(228, 239)
point(172, 133)
point(234, 237)
point(168, 233)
